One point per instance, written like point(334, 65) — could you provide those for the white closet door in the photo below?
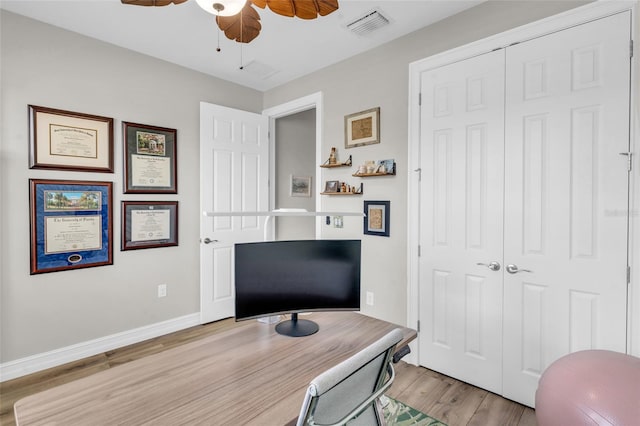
point(462, 126)
point(566, 192)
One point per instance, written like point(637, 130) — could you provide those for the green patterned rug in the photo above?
point(398, 414)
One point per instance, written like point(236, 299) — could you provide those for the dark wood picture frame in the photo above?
point(71, 224)
point(66, 140)
point(150, 159)
point(149, 224)
point(377, 218)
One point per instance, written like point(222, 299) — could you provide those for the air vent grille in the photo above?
point(368, 23)
point(260, 69)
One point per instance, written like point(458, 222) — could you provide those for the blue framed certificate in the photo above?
point(71, 224)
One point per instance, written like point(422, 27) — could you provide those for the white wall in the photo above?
point(380, 78)
point(295, 155)
point(46, 66)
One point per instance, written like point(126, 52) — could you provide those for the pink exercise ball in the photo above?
point(593, 387)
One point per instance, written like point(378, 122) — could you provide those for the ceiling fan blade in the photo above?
point(152, 2)
point(303, 9)
point(243, 27)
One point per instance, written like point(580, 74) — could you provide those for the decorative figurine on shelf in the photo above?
point(343, 188)
point(332, 156)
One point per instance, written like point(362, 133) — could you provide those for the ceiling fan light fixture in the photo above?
point(222, 7)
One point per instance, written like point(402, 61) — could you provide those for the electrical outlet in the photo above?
point(337, 221)
point(162, 290)
point(369, 298)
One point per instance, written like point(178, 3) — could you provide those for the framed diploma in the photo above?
point(65, 140)
point(149, 224)
point(150, 159)
point(71, 224)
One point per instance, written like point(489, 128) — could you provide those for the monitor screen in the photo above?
point(279, 277)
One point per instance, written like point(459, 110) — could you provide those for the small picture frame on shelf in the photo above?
point(387, 166)
point(332, 186)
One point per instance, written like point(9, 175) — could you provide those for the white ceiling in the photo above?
point(287, 48)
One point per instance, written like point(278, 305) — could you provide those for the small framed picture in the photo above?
point(150, 159)
point(376, 218)
point(300, 186)
point(387, 167)
point(149, 224)
point(362, 128)
point(332, 186)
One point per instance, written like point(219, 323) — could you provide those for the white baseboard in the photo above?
point(31, 364)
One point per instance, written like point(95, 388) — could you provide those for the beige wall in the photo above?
point(46, 66)
point(380, 78)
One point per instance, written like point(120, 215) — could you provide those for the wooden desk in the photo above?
point(249, 375)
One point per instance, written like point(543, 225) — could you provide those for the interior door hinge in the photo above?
point(419, 99)
point(418, 327)
point(629, 159)
point(628, 274)
point(419, 250)
point(631, 48)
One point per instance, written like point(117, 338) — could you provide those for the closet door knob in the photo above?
point(513, 269)
point(494, 266)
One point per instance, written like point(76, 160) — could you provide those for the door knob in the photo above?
point(209, 241)
point(513, 269)
point(494, 266)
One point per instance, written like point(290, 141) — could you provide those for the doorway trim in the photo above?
point(529, 31)
point(295, 106)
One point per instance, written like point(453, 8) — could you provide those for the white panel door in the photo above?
point(462, 143)
point(566, 194)
point(234, 162)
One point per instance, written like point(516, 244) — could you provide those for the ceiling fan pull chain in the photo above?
point(218, 48)
point(241, 29)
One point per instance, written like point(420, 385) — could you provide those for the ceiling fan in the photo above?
point(240, 21)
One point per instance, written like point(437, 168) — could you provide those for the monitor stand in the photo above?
point(296, 328)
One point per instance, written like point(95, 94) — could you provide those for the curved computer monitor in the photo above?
point(288, 277)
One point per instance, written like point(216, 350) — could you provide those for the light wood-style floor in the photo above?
point(449, 400)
